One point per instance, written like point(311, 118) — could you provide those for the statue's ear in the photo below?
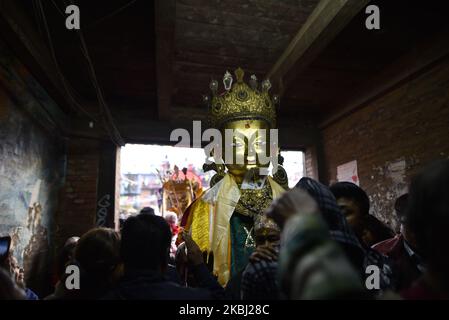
point(281, 177)
point(280, 158)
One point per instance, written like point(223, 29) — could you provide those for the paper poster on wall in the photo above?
point(348, 172)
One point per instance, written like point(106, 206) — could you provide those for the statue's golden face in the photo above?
point(247, 133)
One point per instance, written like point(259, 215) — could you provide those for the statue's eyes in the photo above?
point(238, 144)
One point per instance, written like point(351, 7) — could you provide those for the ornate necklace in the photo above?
point(254, 201)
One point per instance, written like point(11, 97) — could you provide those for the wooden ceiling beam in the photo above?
point(320, 29)
point(421, 59)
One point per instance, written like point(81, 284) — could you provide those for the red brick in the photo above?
point(409, 123)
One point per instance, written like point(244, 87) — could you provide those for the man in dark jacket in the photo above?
point(401, 249)
point(145, 249)
point(355, 205)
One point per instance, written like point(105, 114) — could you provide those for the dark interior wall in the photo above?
point(49, 185)
point(392, 138)
point(31, 173)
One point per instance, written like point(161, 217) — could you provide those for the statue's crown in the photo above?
point(240, 101)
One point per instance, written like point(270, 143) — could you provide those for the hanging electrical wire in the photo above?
point(100, 20)
point(105, 114)
point(37, 17)
point(113, 130)
point(57, 8)
point(74, 103)
point(113, 13)
point(110, 125)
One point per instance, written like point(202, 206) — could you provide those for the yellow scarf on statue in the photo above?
point(209, 222)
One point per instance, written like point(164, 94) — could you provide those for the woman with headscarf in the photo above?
point(306, 232)
point(339, 228)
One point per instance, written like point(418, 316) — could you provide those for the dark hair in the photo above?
point(147, 210)
point(352, 191)
point(146, 241)
point(97, 254)
point(427, 214)
point(9, 290)
point(66, 255)
point(98, 251)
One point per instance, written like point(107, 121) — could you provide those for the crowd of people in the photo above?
point(313, 242)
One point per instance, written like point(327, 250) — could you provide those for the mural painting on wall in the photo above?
point(31, 166)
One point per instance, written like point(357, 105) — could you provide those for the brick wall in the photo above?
point(392, 138)
point(311, 163)
point(78, 197)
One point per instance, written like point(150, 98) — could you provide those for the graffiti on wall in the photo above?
point(103, 206)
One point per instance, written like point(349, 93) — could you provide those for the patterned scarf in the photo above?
point(338, 226)
point(342, 233)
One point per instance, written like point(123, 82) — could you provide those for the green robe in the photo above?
point(242, 241)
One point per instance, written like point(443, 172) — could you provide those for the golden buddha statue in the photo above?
point(221, 220)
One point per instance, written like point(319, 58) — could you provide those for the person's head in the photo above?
point(98, 254)
point(339, 227)
point(354, 204)
point(146, 242)
point(352, 200)
point(427, 216)
point(371, 230)
point(9, 262)
point(266, 231)
point(72, 241)
point(147, 210)
point(171, 218)
point(67, 254)
point(9, 290)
